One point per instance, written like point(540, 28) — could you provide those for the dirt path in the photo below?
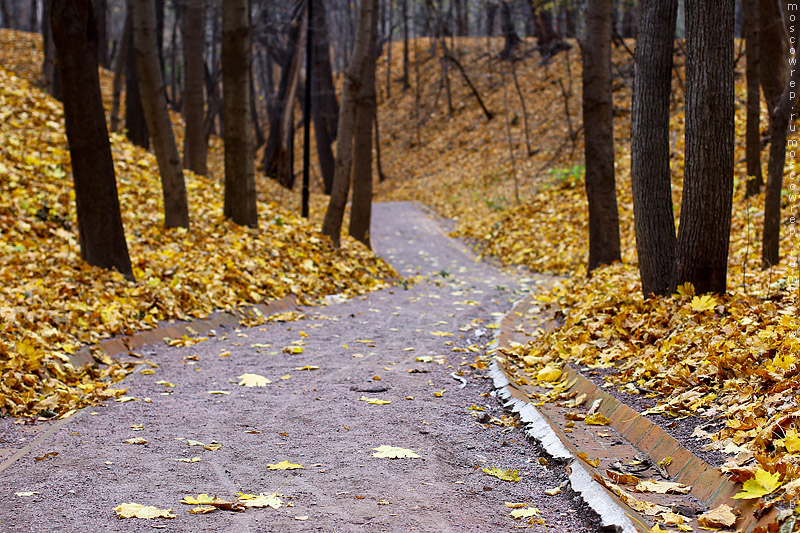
point(314, 418)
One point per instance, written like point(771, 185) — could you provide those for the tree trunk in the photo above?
point(507, 27)
point(101, 235)
point(704, 230)
point(361, 211)
point(33, 18)
point(604, 246)
point(195, 142)
point(461, 29)
point(122, 59)
point(491, 15)
point(50, 71)
point(753, 132)
point(773, 67)
point(100, 16)
point(135, 122)
point(332, 224)
point(653, 217)
point(154, 102)
point(240, 184)
point(406, 83)
point(7, 16)
point(782, 116)
point(324, 108)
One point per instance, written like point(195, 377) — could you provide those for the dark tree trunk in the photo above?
point(100, 16)
point(259, 139)
point(361, 212)
point(101, 235)
point(653, 216)
point(4, 12)
point(773, 66)
point(753, 133)
point(704, 230)
point(240, 185)
point(50, 71)
point(461, 26)
point(154, 102)
point(628, 26)
point(33, 17)
point(122, 59)
point(782, 116)
point(324, 108)
point(604, 245)
point(135, 123)
point(404, 7)
point(491, 15)
point(509, 34)
point(195, 141)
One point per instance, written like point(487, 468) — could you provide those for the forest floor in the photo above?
point(377, 370)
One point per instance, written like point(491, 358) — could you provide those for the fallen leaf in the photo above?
point(662, 487)
point(135, 510)
point(553, 491)
point(375, 401)
point(619, 477)
point(705, 302)
point(253, 380)
point(191, 442)
point(762, 484)
point(524, 513)
point(218, 392)
point(136, 440)
point(24, 494)
point(293, 350)
point(505, 475)
point(189, 460)
point(722, 516)
point(549, 373)
point(441, 334)
point(165, 383)
point(512, 505)
point(307, 367)
point(262, 500)
point(48, 455)
point(284, 465)
point(393, 452)
point(202, 509)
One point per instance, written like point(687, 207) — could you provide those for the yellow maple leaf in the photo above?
point(524, 513)
point(792, 441)
point(441, 334)
point(284, 465)
point(253, 380)
point(136, 510)
point(597, 419)
point(721, 516)
point(687, 289)
point(705, 302)
point(201, 499)
point(549, 373)
point(505, 475)
point(762, 484)
point(261, 500)
point(136, 440)
point(393, 452)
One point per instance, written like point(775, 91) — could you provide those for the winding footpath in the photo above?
point(405, 346)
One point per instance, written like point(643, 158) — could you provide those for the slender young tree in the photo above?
point(361, 212)
point(332, 224)
point(195, 142)
point(650, 174)
point(101, 235)
point(752, 132)
point(135, 122)
point(154, 102)
point(50, 72)
point(324, 107)
point(240, 185)
point(604, 246)
point(705, 225)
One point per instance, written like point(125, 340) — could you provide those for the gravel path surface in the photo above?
point(314, 418)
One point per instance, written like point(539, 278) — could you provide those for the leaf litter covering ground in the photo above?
point(730, 360)
point(53, 303)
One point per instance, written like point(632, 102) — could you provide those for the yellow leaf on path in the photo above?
point(549, 373)
point(524, 513)
point(212, 447)
point(662, 487)
point(123, 399)
point(262, 500)
point(201, 499)
point(597, 419)
point(722, 516)
point(657, 529)
point(619, 477)
point(286, 376)
point(284, 465)
point(672, 519)
point(492, 326)
point(553, 491)
point(762, 484)
point(505, 475)
point(374, 401)
point(592, 462)
point(393, 452)
point(135, 510)
point(307, 367)
point(705, 302)
point(202, 509)
point(165, 383)
point(293, 349)
point(218, 392)
point(29, 493)
point(189, 460)
point(441, 334)
point(137, 440)
point(253, 380)
point(191, 442)
point(512, 505)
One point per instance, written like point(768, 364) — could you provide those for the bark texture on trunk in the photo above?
point(135, 122)
point(604, 246)
point(100, 16)
point(324, 107)
point(773, 45)
point(195, 142)
point(332, 224)
point(653, 216)
point(509, 34)
point(752, 133)
point(122, 59)
point(361, 212)
point(705, 223)
point(51, 74)
point(154, 103)
point(240, 184)
point(101, 235)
